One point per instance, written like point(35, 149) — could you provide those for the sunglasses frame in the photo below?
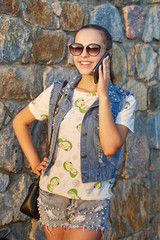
point(86, 47)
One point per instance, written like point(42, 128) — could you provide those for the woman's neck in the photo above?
point(86, 84)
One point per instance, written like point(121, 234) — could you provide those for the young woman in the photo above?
point(90, 125)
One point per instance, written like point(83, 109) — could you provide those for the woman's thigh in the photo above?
point(82, 234)
point(55, 233)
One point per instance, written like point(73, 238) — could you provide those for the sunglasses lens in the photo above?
point(75, 49)
point(93, 49)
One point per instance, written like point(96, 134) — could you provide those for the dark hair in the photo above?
point(107, 38)
point(104, 32)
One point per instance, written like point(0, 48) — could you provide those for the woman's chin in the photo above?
point(86, 72)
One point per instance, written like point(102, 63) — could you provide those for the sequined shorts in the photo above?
point(56, 211)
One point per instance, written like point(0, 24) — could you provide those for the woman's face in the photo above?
point(84, 62)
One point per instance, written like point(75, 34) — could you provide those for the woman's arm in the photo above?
point(112, 136)
point(21, 124)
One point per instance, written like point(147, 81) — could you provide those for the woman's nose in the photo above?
point(84, 53)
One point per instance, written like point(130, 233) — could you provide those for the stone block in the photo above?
point(146, 61)
point(108, 17)
point(155, 169)
point(155, 179)
point(49, 47)
point(40, 138)
point(39, 130)
point(119, 64)
point(52, 74)
point(4, 181)
point(143, 177)
point(12, 108)
point(121, 161)
point(131, 60)
point(155, 160)
point(153, 97)
point(2, 114)
point(37, 231)
point(20, 231)
point(128, 209)
point(153, 127)
point(72, 16)
point(26, 57)
point(4, 232)
point(134, 21)
point(155, 225)
point(121, 3)
point(10, 152)
point(12, 199)
point(139, 236)
point(159, 64)
point(14, 39)
point(19, 82)
point(140, 93)
point(155, 201)
point(57, 8)
point(9, 7)
point(152, 26)
point(150, 1)
point(137, 146)
point(39, 13)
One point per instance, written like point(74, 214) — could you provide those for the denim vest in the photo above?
point(95, 166)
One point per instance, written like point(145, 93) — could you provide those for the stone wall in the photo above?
point(34, 35)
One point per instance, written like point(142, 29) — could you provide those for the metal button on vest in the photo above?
point(83, 156)
point(84, 134)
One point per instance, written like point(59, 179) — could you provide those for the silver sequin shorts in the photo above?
point(59, 211)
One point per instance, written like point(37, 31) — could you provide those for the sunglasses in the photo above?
point(92, 49)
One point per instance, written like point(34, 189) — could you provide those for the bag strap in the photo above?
point(36, 180)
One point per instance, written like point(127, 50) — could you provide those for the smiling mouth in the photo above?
point(85, 63)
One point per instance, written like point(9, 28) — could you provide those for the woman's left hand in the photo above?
point(41, 166)
point(104, 78)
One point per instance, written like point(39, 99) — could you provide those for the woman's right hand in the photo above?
point(41, 167)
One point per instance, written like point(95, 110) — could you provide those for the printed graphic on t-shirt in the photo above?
point(80, 103)
point(98, 185)
point(53, 183)
point(34, 101)
point(134, 114)
point(127, 105)
point(78, 127)
point(44, 116)
point(73, 194)
point(110, 187)
point(92, 94)
point(66, 145)
point(69, 168)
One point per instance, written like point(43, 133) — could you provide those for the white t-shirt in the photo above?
point(64, 177)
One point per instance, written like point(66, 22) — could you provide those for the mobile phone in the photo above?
point(95, 70)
